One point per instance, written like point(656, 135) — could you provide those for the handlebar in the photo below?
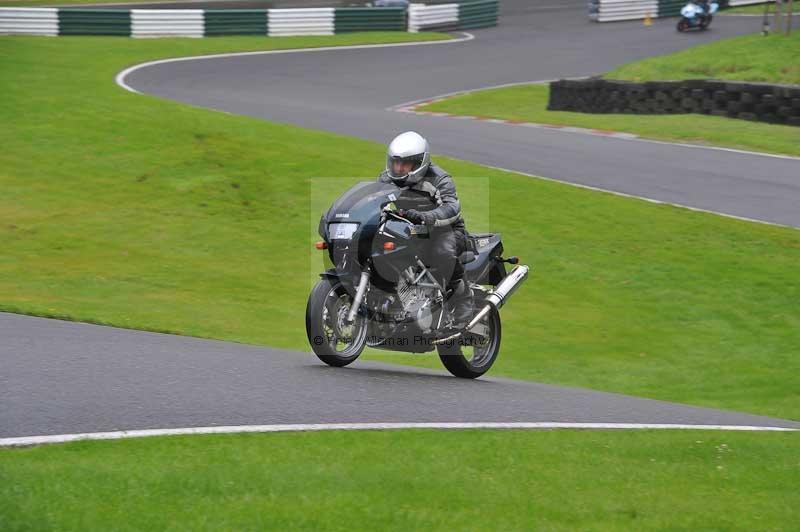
point(417, 229)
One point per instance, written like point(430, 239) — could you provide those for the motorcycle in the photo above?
point(696, 16)
point(378, 292)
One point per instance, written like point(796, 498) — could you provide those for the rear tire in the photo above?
point(333, 340)
point(481, 360)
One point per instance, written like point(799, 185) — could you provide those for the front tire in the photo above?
point(334, 341)
point(471, 362)
point(683, 25)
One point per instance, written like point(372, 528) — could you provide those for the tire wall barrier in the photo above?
point(198, 22)
point(350, 19)
point(94, 22)
point(469, 14)
point(734, 3)
point(762, 102)
point(167, 23)
point(28, 21)
point(613, 10)
point(466, 14)
point(284, 22)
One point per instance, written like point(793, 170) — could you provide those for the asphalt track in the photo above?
point(61, 377)
point(353, 92)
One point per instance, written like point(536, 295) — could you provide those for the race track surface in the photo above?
point(352, 91)
point(61, 377)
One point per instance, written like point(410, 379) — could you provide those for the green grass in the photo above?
point(753, 58)
point(757, 9)
point(140, 212)
point(528, 103)
point(771, 59)
point(408, 480)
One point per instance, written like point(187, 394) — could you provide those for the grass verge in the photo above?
point(144, 213)
point(401, 480)
point(752, 57)
point(771, 59)
point(757, 9)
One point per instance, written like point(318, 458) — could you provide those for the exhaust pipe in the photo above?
point(496, 298)
point(502, 293)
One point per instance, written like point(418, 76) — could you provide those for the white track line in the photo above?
point(408, 107)
point(631, 196)
point(120, 78)
point(316, 427)
point(447, 95)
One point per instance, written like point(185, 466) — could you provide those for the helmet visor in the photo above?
point(400, 167)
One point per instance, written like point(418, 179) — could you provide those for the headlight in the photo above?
point(342, 231)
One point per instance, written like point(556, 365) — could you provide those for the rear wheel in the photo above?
point(473, 360)
point(335, 341)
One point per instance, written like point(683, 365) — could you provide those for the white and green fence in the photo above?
point(271, 22)
point(613, 10)
point(199, 22)
point(455, 16)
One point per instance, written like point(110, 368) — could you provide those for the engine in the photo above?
point(416, 300)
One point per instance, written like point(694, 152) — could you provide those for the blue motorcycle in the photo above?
point(696, 15)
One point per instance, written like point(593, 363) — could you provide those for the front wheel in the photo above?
point(683, 25)
point(473, 360)
point(335, 341)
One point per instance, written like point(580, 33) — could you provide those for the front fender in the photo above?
point(331, 274)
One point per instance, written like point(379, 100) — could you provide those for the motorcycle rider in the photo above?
point(431, 193)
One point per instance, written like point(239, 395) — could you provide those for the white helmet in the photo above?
point(409, 147)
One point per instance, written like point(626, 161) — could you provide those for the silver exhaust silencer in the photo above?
point(502, 292)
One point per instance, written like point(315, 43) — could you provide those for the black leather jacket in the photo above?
point(435, 192)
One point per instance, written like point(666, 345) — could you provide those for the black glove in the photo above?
point(419, 217)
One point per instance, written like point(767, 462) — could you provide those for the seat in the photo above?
point(479, 265)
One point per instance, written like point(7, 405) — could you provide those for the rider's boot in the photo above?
point(461, 303)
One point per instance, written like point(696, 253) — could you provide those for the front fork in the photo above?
point(359, 297)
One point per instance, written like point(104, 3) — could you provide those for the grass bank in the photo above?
point(757, 9)
point(431, 480)
point(752, 57)
point(145, 213)
point(771, 59)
